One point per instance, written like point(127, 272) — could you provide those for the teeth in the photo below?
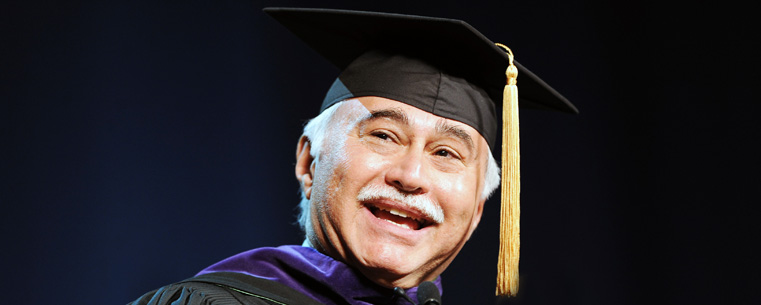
point(399, 224)
point(401, 213)
point(398, 213)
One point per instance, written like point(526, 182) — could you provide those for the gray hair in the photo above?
point(317, 129)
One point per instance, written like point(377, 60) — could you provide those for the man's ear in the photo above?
point(304, 166)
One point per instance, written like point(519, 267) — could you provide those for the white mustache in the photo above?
point(418, 202)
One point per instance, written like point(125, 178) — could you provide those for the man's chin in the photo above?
point(389, 279)
point(395, 273)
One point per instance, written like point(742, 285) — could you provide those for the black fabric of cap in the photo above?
point(442, 66)
point(416, 83)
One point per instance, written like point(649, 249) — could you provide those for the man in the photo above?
point(394, 172)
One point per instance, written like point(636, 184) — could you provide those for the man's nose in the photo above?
point(409, 174)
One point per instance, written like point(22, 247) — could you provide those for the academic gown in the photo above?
point(282, 275)
point(224, 288)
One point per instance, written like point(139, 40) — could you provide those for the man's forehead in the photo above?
point(379, 107)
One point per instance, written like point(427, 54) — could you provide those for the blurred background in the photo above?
point(142, 141)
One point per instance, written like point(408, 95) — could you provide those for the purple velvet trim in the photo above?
point(312, 273)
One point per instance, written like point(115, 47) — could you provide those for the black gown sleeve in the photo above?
point(193, 294)
point(224, 288)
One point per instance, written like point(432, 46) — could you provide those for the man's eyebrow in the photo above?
point(442, 127)
point(389, 113)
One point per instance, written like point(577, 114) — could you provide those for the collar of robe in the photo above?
point(313, 274)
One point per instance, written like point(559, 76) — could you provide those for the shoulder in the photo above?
point(224, 288)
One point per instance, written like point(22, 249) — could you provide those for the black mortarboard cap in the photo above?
point(360, 44)
point(442, 66)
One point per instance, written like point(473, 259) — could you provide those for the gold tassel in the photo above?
point(509, 227)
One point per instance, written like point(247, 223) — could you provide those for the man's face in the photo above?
point(376, 177)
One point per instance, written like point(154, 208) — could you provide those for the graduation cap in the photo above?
point(442, 66)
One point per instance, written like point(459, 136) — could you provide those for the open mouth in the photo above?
point(399, 218)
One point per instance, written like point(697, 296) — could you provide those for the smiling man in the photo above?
point(394, 171)
point(400, 196)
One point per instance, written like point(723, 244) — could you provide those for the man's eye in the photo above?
point(444, 153)
point(381, 135)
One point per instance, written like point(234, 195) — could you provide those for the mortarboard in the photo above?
point(443, 66)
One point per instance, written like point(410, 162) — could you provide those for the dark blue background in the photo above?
point(144, 140)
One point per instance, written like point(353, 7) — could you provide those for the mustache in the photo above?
point(418, 202)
